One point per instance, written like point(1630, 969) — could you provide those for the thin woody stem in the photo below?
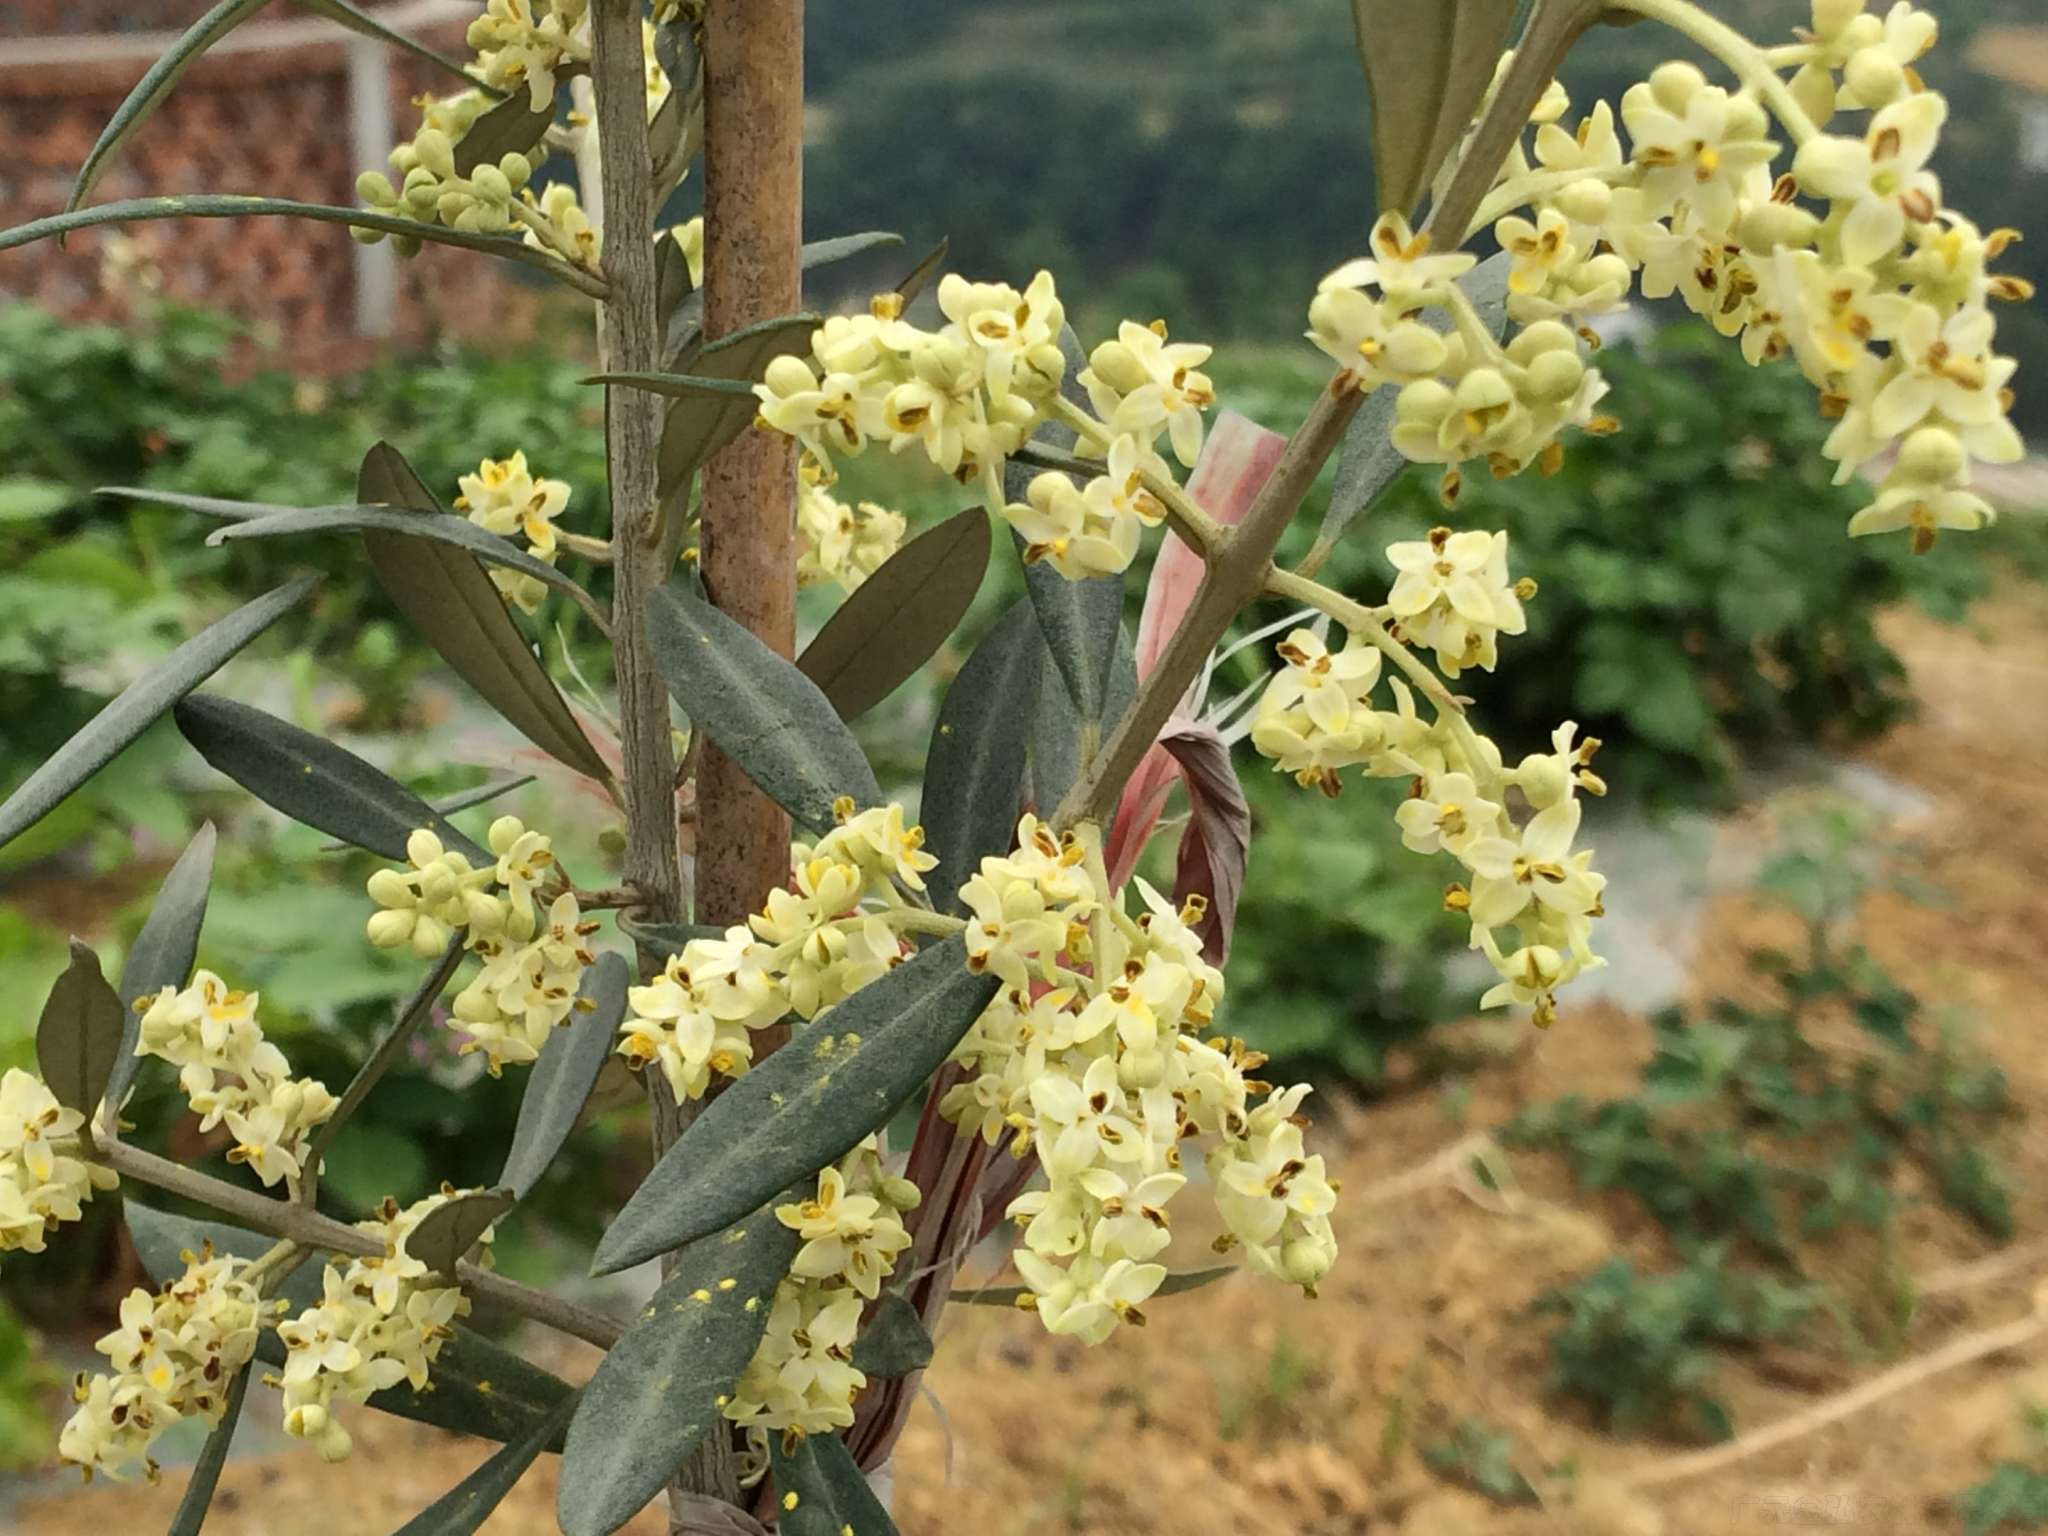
point(1237, 571)
point(411, 1014)
point(1197, 528)
point(309, 1229)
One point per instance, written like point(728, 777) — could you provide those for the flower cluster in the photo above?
point(228, 1070)
point(44, 1176)
point(505, 498)
point(1141, 385)
point(381, 1320)
point(1093, 529)
point(1462, 394)
point(528, 43)
point(175, 1356)
point(839, 542)
point(802, 1376)
point(1317, 718)
point(1096, 1055)
point(485, 198)
point(1453, 595)
point(1880, 293)
point(824, 936)
point(533, 959)
point(967, 395)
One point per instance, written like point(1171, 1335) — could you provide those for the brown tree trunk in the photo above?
point(753, 201)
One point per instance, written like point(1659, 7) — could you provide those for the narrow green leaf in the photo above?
point(678, 386)
point(671, 269)
point(1172, 1285)
point(312, 780)
point(761, 711)
point(155, 85)
point(213, 206)
point(897, 619)
point(512, 127)
point(974, 769)
point(804, 1106)
point(445, 1234)
point(198, 1495)
point(686, 321)
point(656, 1394)
point(469, 799)
point(1427, 67)
point(559, 1085)
point(463, 1509)
point(360, 21)
point(700, 424)
point(892, 1341)
point(163, 951)
point(445, 528)
point(666, 939)
point(1368, 462)
point(477, 1387)
point(915, 280)
point(78, 1037)
point(450, 601)
point(823, 1491)
point(141, 704)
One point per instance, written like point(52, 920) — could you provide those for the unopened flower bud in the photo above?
point(1931, 455)
point(436, 152)
point(516, 168)
point(491, 184)
point(388, 930)
point(1587, 202)
point(375, 188)
point(1674, 85)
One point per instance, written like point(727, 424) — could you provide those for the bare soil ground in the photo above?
point(1243, 1409)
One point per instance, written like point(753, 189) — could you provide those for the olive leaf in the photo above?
point(803, 1107)
point(213, 1456)
point(469, 799)
point(823, 1491)
point(141, 704)
point(679, 386)
point(312, 780)
point(156, 84)
point(215, 206)
point(559, 1085)
point(164, 950)
point(699, 424)
point(686, 321)
point(1427, 67)
point(657, 1392)
point(1368, 462)
point(78, 1036)
point(512, 127)
point(893, 1341)
point(462, 1510)
point(761, 711)
point(974, 769)
point(444, 1236)
point(478, 1388)
point(898, 618)
point(915, 280)
point(360, 21)
point(1010, 1295)
point(260, 521)
point(449, 600)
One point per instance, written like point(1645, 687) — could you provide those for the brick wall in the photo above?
point(261, 119)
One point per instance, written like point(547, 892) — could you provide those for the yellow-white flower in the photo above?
point(45, 1178)
point(1141, 385)
point(697, 1017)
point(1881, 179)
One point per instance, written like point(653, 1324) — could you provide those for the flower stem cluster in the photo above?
point(1840, 256)
point(533, 959)
point(45, 1177)
point(1527, 882)
point(505, 497)
point(381, 1320)
point(839, 542)
point(1098, 1056)
point(175, 1356)
point(231, 1074)
point(966, 395)
point(802, 1378)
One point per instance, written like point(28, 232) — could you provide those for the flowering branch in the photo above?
point(309, 1229)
